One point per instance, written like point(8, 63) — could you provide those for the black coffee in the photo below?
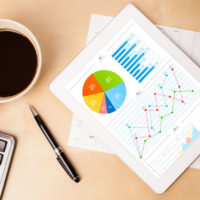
point(18, 62)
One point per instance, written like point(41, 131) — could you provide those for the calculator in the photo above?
point(7, 144)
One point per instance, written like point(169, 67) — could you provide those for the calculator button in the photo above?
point(2, 145)
point(1, 158)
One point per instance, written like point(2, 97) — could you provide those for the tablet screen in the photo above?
point(136, 90)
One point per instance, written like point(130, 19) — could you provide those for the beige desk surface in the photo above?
point(61, 27)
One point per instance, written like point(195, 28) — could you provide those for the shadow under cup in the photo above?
point(20, 60)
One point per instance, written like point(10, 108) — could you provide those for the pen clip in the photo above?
point(64, 167)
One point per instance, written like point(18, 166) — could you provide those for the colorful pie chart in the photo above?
point(104, 92)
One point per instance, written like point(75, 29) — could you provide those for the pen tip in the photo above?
point(33, 110)
point(77, 179)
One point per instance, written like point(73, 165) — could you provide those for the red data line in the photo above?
point(156, 100)
point(170, 97)
point(177, 81)
point(137, 143)
point(142, 137)
point(147, 121)
point(156, 109)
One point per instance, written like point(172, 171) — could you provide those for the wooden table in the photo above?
point(61, 27)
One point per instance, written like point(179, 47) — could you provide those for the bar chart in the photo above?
point(134, 60)
point(135, 54)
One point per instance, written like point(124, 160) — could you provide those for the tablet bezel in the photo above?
point(159, 185)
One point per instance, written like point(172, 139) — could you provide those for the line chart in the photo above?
point(142, 126)
point(155, 108)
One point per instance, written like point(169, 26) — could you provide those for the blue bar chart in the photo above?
point(133, 57)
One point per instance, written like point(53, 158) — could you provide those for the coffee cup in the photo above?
point(29, 45)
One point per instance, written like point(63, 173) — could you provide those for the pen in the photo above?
point(62, 159)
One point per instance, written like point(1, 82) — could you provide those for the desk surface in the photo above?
point(61, 27)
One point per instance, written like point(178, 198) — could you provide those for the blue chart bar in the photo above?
point(148, 72)
point(130, 49)
point(120, 54)
point(130, 61)
point(135, 68)
point(143, 71)
point(136, 73)
point(125, 60)
point(136, 61)
point(114, 54)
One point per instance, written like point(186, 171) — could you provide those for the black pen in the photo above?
point(62, 159)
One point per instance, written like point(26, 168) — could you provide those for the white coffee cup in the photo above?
point(15, 26)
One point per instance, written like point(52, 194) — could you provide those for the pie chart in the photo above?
point(104, 92)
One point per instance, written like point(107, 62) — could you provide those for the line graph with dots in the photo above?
point(145, 122)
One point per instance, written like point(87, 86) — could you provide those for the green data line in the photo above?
point(173, 101)
point(146, 141)
point(143, 148)
point(161, 119)
point(184, 91)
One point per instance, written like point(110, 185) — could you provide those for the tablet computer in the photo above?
point(141, 94)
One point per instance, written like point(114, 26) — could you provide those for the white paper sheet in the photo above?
point(82, 136)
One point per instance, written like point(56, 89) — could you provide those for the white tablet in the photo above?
point(141, 94)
